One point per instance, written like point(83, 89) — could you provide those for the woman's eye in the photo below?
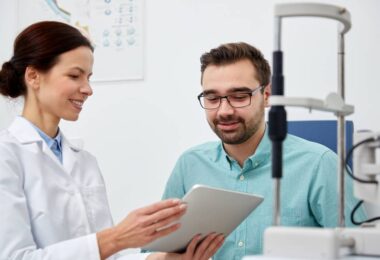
point(74, 76)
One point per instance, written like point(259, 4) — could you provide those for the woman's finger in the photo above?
point(164, 214)
point(162, 224)
point(169, 203)
point(165, 231)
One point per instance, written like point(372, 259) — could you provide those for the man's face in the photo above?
point(234, 125)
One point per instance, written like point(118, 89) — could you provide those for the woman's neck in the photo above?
point(47, 123)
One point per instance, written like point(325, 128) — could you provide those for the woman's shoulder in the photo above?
point(7, 139)
point(10, 149)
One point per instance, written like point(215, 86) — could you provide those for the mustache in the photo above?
point(227, 119)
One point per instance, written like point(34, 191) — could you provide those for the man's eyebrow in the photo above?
point(208, 92)
point(231, 90)
point(240, 89)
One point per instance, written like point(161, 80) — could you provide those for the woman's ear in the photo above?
point(267, 93)
point(32, 78)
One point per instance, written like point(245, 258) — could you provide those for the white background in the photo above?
point(137, 129)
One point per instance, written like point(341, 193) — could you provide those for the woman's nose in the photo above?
point(86, 89)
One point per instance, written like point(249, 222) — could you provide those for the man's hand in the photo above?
point(196, 250)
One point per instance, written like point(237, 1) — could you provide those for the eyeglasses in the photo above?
point(236, 100)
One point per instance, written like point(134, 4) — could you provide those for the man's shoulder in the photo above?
point(308, 155)
point(204, 148)
point(301, 145)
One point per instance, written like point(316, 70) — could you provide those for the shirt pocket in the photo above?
point(96, 205)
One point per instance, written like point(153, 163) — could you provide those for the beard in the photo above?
point(245, 130)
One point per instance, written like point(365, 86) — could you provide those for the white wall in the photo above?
point(137, 129)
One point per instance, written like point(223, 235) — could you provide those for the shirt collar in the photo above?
point(50, 141)
point(222, 157)
point(263, 150)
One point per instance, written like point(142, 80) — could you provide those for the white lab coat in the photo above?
point(49, 210)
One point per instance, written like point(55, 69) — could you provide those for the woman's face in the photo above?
point(65, 87)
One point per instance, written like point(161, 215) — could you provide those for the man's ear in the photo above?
point(32, 78)
point(267, 93)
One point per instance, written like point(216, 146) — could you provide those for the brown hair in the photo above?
point(232, 52)
point(39, 46)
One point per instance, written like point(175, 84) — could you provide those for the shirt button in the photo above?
point(256, 164)
point(241, 244)
point(242, 177)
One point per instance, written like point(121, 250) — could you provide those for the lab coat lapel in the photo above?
point(25, 133)
point(70, 150)
point(23, 130)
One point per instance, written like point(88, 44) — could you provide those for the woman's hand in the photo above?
point(141, 227)
point(196, 250)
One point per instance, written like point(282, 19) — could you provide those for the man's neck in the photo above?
point(240, 152)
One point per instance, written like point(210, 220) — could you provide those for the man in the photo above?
point(236, 89)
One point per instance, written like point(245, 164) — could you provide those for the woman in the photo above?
point(52, 194)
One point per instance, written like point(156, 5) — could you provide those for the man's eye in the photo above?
point(211, 98)
point(239, 96)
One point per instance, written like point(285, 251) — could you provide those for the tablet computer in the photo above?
point(208, 210)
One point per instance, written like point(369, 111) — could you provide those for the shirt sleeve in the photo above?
point(323, 197)
point(175, 186)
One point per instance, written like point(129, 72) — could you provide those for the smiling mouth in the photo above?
point(77, 103)
point(228, 126)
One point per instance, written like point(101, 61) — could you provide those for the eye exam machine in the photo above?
point(362, 242)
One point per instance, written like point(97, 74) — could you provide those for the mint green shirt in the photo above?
point(308, 188)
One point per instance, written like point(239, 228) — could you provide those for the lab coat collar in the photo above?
point(24, 132)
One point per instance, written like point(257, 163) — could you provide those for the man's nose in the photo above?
point(225, 107)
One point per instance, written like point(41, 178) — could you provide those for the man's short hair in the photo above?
point(232, 52)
